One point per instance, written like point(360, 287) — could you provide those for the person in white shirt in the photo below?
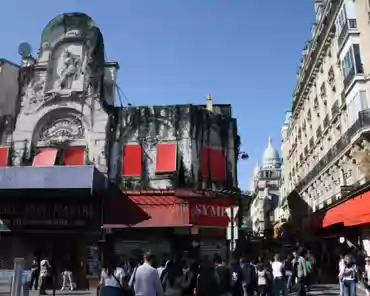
point(349, 276)
point(45, 267)
point(279, 276)
point(366, 276)
point(112, 280)
point(341, 268)
point(145, 279)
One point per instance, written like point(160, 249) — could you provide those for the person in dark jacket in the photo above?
point(236, 279)
point(208, 282)
point(249, 278)
point(224, 273)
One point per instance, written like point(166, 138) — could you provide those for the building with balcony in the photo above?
point(328, 125)
point(266, 183)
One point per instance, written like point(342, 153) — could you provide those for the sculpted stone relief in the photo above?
point(70, 70)
point(33, 95)
point(64, 129)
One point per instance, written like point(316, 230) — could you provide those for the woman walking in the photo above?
point(262, 285)
point(348, 275)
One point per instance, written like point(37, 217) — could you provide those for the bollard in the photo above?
point(25, 288)
point(17, 277)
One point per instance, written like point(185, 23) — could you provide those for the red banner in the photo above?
point(209, 214)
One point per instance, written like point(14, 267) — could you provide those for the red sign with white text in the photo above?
point(209, 214)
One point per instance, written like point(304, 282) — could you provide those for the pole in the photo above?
point(232, 231)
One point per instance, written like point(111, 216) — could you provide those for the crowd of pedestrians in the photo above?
point(206, 277)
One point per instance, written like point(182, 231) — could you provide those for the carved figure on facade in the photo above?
point(71, 70)
point(64, 129)
point(34, 95)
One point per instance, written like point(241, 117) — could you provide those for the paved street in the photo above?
point(329, 290)
point(324, 290)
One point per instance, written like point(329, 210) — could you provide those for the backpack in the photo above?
point(308, 266)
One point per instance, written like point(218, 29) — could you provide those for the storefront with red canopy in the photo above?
point(176, 220)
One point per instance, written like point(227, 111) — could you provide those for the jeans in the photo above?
point(349, 288)
point(280, 287)
point(341, 288)
point(67, 280)
point(34, 280)
point(289, 283)
point(301, 290)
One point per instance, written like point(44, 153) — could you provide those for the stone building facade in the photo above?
point(329, 122)
point(59, 117)
point(266, 184)
point(198, 141)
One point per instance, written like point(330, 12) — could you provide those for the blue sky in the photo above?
point(243, 52)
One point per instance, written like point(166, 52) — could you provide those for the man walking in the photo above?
point(145, 279)
point(301, 273)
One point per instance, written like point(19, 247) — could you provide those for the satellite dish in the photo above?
point(25, 50)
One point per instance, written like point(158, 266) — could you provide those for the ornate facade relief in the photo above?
point(66, 74)
point(62, 130)
point(70, 70)
point(33, 96)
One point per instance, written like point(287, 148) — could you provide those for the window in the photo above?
point(342, 19)
point(132, 161)
point(74, 156)
point(213, 164)
point(166, 158)
point(347, 63)
point(352, 64)
point(4, 156)
point(364, 102)
point(45, 157)
point(358, 60)
point(354, 107)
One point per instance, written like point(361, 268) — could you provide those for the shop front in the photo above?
point(53, 212)
point(176, 222)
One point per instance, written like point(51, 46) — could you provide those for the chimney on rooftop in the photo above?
point(209, 103)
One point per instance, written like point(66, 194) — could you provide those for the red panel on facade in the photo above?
point(45, 157)
point(74, 156)
point(166, 158)
point(218, 165)
point(213, 164)
point(132, 161)
point(4, 156)
point(206, 164)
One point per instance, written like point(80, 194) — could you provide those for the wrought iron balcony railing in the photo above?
point(363, 121)
point(349, 26)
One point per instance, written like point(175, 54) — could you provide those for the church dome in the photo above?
point(271, 156)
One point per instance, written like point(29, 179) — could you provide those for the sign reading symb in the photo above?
point(209, 215)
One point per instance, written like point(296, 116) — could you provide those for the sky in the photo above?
point(243, 52)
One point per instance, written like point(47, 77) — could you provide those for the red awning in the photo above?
point(163, 210)
point(154, 211)
point(45, 157)
point(120, 212)
point(74, 156)
point(4, 156)
point(351, 213)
